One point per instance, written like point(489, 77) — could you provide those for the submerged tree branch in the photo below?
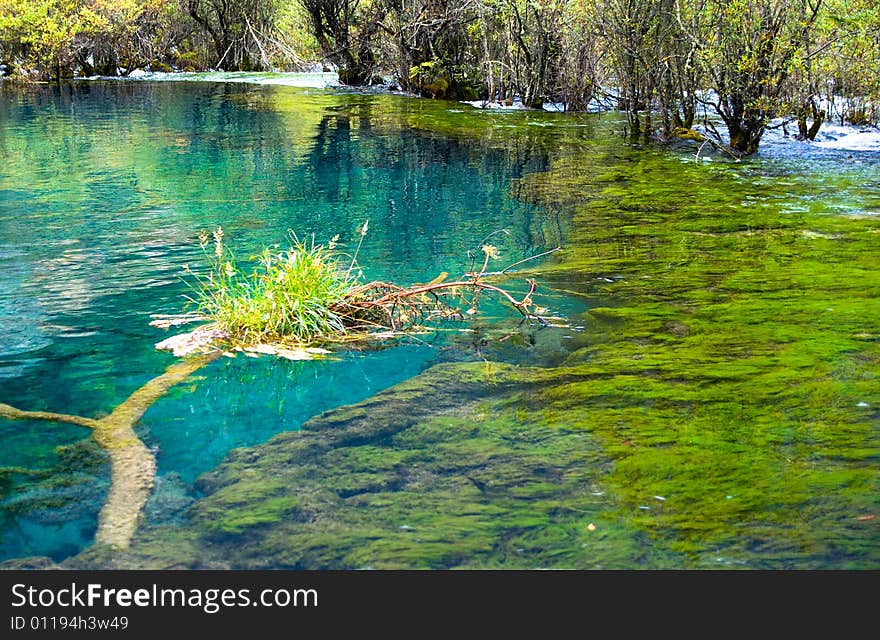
point(11, 413)
point(132, 464)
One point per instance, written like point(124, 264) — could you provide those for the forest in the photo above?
point(667, 64)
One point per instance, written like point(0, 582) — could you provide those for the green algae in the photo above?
point(58, 487)
point(434, 473)
point(251, 509)
point(734, 371)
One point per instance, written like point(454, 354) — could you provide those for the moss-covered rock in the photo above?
point(34, 563)
point(433, 473)
point(61, 493)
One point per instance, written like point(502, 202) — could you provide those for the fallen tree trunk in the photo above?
point(132, 464)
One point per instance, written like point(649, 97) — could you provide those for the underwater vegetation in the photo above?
point(712, 401)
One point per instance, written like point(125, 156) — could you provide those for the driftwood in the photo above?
point(377, 310)
point(391, 307)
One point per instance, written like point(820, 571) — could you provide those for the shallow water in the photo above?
point(103, 191)
point(725, 326)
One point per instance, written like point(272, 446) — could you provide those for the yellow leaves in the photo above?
point(89, 20)
point(747, 64)
point(49, 33)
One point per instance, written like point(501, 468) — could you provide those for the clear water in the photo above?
point(724, 354)
point(103, 190)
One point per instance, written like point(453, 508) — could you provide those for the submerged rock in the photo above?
point(440, 471)
point(73, 489)
point(170, 498)
point(41, 563)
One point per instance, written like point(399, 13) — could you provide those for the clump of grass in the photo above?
point(312, 293)
point(289, 295)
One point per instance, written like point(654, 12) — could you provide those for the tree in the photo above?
point(347, 32)
point(751, 47)
point(652, 62)
point(237, 29)
point(131, 34)
point(625, 27)
point(577, 74)
point(849, 68)
point(41, 35)
point(55, 38)
point(535, 35)
point(430, 46)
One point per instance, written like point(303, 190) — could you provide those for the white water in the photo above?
point(834, 136)
point(318, 80)
point(517, 105)
point(830, 137)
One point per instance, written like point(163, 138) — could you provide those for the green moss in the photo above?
point(79, 470)
point(727, 375)
point(434, 473)
point(240, 517)
point(687, 134)
point(718, 406)
point(237, 507)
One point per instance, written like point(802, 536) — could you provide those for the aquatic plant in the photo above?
point(291, 294)
point(313, 293)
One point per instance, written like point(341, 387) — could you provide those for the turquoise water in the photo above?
point(713, 403)
point(103, 190)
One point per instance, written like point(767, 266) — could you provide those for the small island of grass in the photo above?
point(296, 301)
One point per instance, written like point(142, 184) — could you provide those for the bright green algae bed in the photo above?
point(716, 404)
